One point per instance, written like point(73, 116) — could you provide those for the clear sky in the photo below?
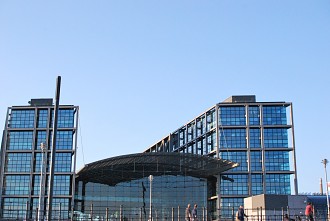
point(140, 69)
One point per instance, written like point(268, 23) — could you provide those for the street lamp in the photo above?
point(43, 165)
point(325, 162)
point(151, 177)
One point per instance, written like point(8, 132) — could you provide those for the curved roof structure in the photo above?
point(124, 168)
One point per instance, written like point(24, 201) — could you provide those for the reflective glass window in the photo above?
point(257, 184)
point(42, 118)
point(174, 139)
point(228, 204)
point(201, 146)
point(36, 185)
point(35, 205)
point(238, 187)
point(210, 142)
point(18, 162)
point(232, 116)
point(238, 157)
point(233, 138)
point(200, 126)
point(256, 161)
point(167, 192)
point(63, 162)
point(64, 140)
point(274, 115)
point(275, 138)
point(254, 115)
point(191, 131)
point(277, 161)
point(182, 136)
point(41, 138)
point(21, 119)
point(255, 138)
point(65, 118)
point(20, 140)
point(61, 208)
point(190, 148)
point(278, 184)
point(14, 208)
point(16, 184)
point(38, 160)
point(61, 185)
point(210, 120)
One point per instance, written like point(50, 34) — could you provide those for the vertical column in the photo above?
point(53, 153)
point(217, 135)
point(294, 151)
point(2, 161)
point(74, 159)
point(262, 149)
point(248, 151)
point(150, 210)
point(219, 196)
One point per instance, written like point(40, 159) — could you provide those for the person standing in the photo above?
point(309, 212)
point(194, 213)
point(287, 218)
point(240, 213)
point(188, 213)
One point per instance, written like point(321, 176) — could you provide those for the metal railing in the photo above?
point(122, 213)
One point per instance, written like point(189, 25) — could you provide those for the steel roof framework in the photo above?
point(125, 168)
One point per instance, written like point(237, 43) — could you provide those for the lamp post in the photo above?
point(43, 165)
point(325, 162)
point(151, 177)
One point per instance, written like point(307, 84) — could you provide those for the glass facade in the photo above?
point(254, 134)
point(26, 128)
point(132, 199)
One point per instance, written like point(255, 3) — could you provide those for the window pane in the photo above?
point(257, 184)
point(275, 138)
point(42, 118)
point(18, 162)
point(233, 138)
point(254, 115)
point(277, 161)
point(274, 115)
point(255, 138)
point(278, 184)
point(16, 185)
point(20, 140)
point(238, 157)
point(256, 161)
point(230, 116)
point(65, 118)
point(238, 187)
point(21, 119)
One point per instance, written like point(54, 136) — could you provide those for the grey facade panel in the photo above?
point(241, 99)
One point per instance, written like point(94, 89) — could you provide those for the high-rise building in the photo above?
point(257, 135)
point(25, 160)
point(197, 163)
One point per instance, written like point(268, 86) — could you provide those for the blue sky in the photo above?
point(140, 69)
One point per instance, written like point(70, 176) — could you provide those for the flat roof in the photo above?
point(125, 168)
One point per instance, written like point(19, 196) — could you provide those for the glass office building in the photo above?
point(235, 149)
point(25, 160)
point(257, 135)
